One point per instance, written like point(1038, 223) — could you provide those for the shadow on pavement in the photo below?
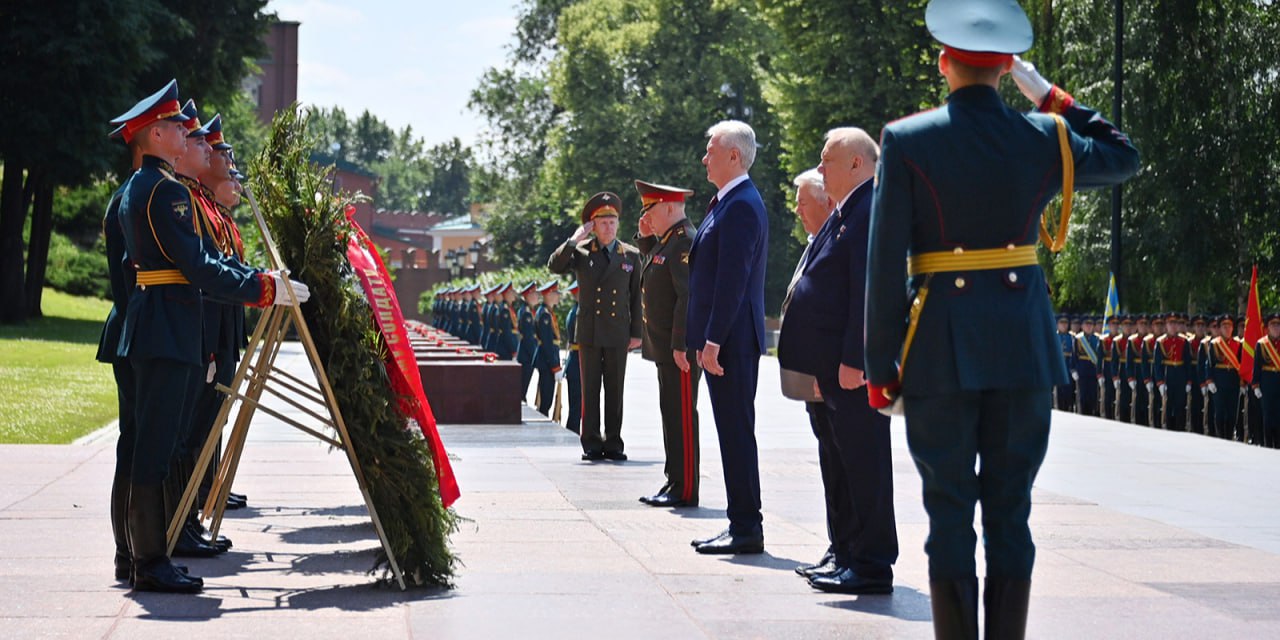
point(905, 603)
point(331, 534)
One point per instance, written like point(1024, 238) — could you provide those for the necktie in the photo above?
point(714, 201)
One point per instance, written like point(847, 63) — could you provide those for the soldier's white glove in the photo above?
point(1188, 388)
point(1164, 389)
point(282, 295)
point(1116, 383)
point(1149, 386)
point(213, 367)
point(1257, 392)
point(1133, 384)
point(1075, 375)
point(560, 375)
point(1029, 81)
point(1213, 388)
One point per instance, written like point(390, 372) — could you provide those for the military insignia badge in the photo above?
point(684, 257)
point(659, 259)
point(840, 232)
point(180, 208)
point(626, 266)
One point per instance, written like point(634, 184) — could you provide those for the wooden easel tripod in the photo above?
point(256, 374)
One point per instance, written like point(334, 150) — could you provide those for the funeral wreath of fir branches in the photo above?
point(306, 217)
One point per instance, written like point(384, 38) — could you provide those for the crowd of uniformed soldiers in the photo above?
point(1174, 371)
point(176, 327)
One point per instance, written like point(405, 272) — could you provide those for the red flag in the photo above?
point(1253, 329)
point(402, 365)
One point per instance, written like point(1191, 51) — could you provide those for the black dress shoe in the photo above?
point(701, 541)
point(825, 565)
point(236, 501)
point(732, 545)
point(848, 581)
point(593, 456)
point(616, 456)
point(668, 500)
point(164, 577)
point(192, 546)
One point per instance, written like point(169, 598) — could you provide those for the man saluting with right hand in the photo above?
point(972, 352)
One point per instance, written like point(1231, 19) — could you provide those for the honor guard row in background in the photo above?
point(1174, 371)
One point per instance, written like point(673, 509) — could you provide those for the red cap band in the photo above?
point(154, 114)
point(978, 58)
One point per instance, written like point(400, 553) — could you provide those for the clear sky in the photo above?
point(408, 62)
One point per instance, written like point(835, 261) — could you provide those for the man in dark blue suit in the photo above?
point(725, 325)
point(822, 336)
point(967, 340)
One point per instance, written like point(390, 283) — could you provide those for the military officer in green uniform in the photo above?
point(967, 341)
point(665, 238)
point(1266, 380)
point(608, 270)
point(160, 336)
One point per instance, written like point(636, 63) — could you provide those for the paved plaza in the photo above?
point(1141, 534)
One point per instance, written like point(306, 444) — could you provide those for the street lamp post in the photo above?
point(474, 254)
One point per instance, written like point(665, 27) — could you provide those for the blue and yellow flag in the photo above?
point(1113, 306)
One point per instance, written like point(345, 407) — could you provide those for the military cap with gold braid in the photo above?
point(194, 130)
point(651, 194)
point(601, 204)
point(161, 105)
point(979, 33)
point(215, 138)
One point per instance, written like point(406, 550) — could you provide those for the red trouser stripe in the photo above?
point(686, 427)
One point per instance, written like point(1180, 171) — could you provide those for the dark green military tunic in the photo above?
point(608, 318)
point(664, 284)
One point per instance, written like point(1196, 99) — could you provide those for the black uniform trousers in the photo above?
point(1140, 404)
point(208, 405)
point(1065, 395)
point(573, 380)
point(1270, 405)
point(1173, 405)
point(1226, 410)
point(1254, 416)
point(1124, 402)
point(733, 398)
point(678, 400)
point(1195, 419)
point(1087, 390)
point(835, 489)
point(125, 401)
point(1108, 399)
point(1008, 433)
point(602, 367)
point(1155, 408)
point(546, 389)
point(860, 436)
point(165, 396)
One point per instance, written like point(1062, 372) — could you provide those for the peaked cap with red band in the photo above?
point(194, 130)
point(161, 105)
point(215, 138)
point(601, 204)
point(979, 33)
point(651, 194)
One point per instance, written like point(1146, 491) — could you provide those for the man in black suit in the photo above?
point(823, 337)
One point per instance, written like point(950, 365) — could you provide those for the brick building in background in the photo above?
point(277, 86)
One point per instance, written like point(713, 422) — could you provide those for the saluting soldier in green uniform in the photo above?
point(665, 238)
point(160, 336)
point(608, 270)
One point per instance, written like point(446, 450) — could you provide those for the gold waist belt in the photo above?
point(161, 276)
point(974, 260)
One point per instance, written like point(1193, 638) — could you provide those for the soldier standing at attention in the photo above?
point(1106, 375)
point(528, 336)
point(1222, 375)
point(1172, 369)
point(1266, 381)
point(171, 268)
point(508, 341)
point(572, 368)
point(665, 238)
point(1086, 364)
point(1205, 375)
point(547, 357)
point(1138, 372)
point(1155, 402)
point(1195, 402)
point(1120, 366)
point(1064, 394)
point(959, 190)
point(608, 270)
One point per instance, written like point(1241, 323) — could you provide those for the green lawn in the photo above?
point(52, 391)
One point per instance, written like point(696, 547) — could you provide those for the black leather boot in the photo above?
point(120, 525)
point(189, 544)
point(955, 608)
point(1005, 602)
point(152, 570)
